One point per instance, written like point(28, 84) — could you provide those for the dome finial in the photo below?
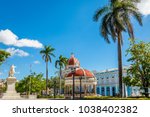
point(72, 54)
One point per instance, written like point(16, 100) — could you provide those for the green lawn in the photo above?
point(113, 98)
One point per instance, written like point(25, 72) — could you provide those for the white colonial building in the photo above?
point(108, 83)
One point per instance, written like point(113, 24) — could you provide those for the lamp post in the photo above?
point(30, 79)
point(80, 86)
point(73, 70)
point(73, 89)
point(54, 88)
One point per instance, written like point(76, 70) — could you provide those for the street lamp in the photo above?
point(54, 88)
point(80, 86)
point(73, 70)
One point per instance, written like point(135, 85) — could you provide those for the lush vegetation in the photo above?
point(116, 19)
point(31, 84)
point(3, 56)
point(36, 84)
point(139, 72)
point(51, 97)
point(53, 83)
point(3, 88)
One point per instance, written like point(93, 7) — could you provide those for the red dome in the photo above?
point(81, 72)
point(73, 61)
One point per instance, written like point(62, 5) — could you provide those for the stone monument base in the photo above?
point(11, 93)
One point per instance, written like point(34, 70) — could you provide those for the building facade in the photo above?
point(108, 83)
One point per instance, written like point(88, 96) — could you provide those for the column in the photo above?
point(94, 89)
point(100, 90)
point(117, 92)
point(68, 90)
point(126, 91)
point(65, 90)
point(111, 91)
point(105, 90)
point(85, 90)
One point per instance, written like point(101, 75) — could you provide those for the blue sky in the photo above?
point(67, 26)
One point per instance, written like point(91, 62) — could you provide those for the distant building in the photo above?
point(108, 83)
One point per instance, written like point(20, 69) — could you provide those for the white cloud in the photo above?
point(17, 52)
point(7, 37)
point(17, 72)
point(36, 62)
point(1, 73)
point(144, 7)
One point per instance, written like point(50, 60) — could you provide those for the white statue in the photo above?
point(12, 71)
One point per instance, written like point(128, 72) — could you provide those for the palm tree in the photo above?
point(61, 62)
point(46, 53)
point(116, 19)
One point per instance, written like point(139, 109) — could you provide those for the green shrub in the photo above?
point(44, 96)
point(57, 96)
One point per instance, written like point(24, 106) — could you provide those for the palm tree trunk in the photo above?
point(120, 63)
point(46, 77)
point(60, 82)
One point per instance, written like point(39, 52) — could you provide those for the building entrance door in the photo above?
point(113, 91)
point(103, 91)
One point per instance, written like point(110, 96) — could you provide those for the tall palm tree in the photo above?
point(47, 53)
point(116, 19)
point(61, 62)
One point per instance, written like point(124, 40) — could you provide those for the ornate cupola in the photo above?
point(73, 62)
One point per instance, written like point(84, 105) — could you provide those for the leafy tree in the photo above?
point(33, 83)
point(116, 19)
point(22, 86)
point(61, 63)
point(3, 56)
point(3, 87)
point(139, 72)
point(47, 53)
point(54, 83)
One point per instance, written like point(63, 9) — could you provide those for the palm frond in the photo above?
point(138, 16)
point(47, 52)
point(56, 63)
point(52, 55)
point(100, 12)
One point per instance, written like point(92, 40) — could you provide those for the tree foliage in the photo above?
point(47, 52)
point(53, 82)
point(139, 72)
point(3, 56)
point(61, 62)
point(116, 19)
point(33, 83)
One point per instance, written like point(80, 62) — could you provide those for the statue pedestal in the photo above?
point(11, 92)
